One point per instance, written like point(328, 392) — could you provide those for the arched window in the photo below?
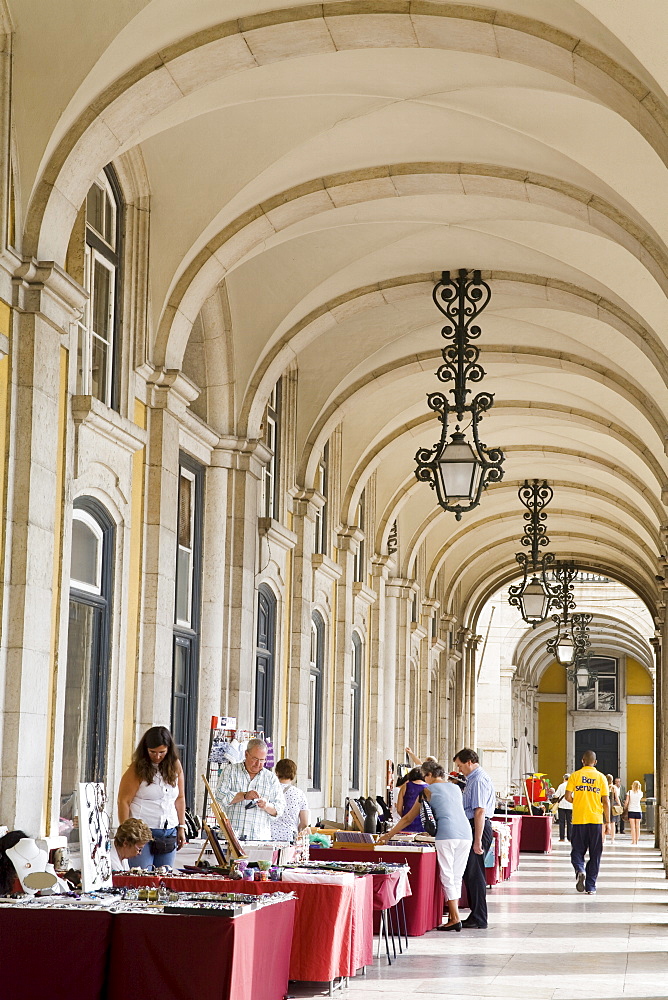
point(315, 700)
point(98, 341)
point(264, 659)
point(88, 647)
point(355, 710)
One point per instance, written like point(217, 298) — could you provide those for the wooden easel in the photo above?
point(213, 841)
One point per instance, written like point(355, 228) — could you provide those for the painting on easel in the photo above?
point(94, 836)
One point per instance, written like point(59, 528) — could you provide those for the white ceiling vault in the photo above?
point(316, 166)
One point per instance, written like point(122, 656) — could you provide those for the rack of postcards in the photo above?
point(227, 745)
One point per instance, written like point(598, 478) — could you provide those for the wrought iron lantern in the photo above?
point(571, 645)
point(535, 596)
point(461, 467)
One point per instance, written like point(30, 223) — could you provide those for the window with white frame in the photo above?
point(600, 694)
point(356, 709)
point(86, 703)
point(315, 700)
point(360, 555)
point(187, 614)
point(272, 438)
point(321, 485)
point(97, 345)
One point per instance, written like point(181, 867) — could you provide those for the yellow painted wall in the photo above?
point(552, 739)
point(639, 743)
point(638, 680)
point(134, 589)
point(553, 681)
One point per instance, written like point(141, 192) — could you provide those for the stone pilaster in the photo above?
point(379, 748)
point(348, 545)
point(46, 302)
point(168, 396)
point(244, 461)
point(398, 596)
point(304, 506)
point(427, 729)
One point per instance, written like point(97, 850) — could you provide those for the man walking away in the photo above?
point(587, 789)
point(479, 801)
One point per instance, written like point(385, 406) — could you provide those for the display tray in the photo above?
point(208, 909)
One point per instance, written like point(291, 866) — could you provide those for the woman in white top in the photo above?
point(152, 790)
point(130, 838)
point(296, 816)
point(632, 803)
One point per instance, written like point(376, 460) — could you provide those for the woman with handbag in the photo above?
point(411, 788)
point(632, 804)
point(453, 836)
point(152, 790)
point(615, 809)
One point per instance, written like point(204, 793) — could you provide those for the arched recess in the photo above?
point(157, 83)
point(316, 700)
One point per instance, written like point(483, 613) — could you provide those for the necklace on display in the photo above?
point(33, 857)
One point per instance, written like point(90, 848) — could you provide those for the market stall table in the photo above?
point(424, 908)
point(56, 954)
point(333, 932)
point(207, 957)
point(536, 834)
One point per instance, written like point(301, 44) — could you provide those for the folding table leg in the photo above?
point(383, 921)
point(394, 922)
point(403, 917)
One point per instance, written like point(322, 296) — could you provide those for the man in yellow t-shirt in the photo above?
point(587, 789)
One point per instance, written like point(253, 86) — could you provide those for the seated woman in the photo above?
point(131, 836)
point(453, 836)
point(297, 815)
point(412, 787)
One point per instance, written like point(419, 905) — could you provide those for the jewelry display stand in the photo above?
point(32, 867)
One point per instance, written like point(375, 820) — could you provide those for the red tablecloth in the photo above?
point(55, 954)
point(424, 908)
point(389, 888)
point(212, 958)
point(536, 834)
point(333, 932)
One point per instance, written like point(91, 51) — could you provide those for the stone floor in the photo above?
point(545, 941)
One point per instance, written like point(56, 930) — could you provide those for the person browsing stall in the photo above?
point(129, 840)
point(479, 801)
point(453, 835)
point(251, 794)
point(296, 816)
point(152, 789)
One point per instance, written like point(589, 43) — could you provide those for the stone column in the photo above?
point(244, 461)
point(212, 688)
point(348, 545)
point(169, 394)
point(380, 729)
point(398, 595)
point(463, 690)
point(305, 507)
point(427, 708)
point(507, 674)
point(46, 302)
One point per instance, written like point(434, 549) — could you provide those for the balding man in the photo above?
point(250, 794)
point(587, 789)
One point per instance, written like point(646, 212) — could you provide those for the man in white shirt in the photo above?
point(564, 811)
point(250, 794)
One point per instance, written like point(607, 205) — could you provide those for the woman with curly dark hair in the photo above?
point(152, 790)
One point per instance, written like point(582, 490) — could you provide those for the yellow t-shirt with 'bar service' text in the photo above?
point(587, 786)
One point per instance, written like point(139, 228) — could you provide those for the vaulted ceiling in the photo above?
point(316, 167)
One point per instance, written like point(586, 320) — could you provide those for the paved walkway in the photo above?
point(545, 941)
